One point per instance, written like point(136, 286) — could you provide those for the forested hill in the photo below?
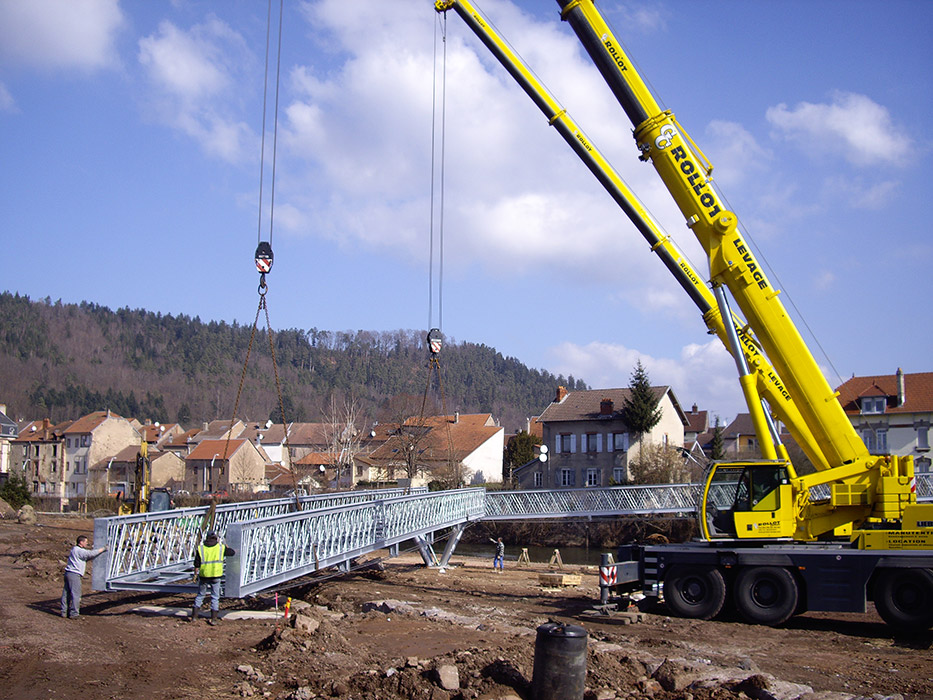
point(60, 361)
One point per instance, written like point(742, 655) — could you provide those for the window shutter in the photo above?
point(557, 443)
point(573, 477)
point(573, 443)
point(611, 442)
point(599, 442)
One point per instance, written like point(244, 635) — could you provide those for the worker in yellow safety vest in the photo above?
point(209, 568)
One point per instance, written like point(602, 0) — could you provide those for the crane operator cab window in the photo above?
point(748, 488)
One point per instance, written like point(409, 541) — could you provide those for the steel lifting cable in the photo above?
point(264, 255)
point(435, 335)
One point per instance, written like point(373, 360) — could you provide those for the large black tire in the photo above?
point(765, 595)
point(904, 598)
point(694, 591)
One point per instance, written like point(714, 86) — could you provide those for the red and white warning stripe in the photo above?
point(607, 576)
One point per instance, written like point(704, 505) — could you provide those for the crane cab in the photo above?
point(747, 500)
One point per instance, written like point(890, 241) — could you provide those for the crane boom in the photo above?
point(768, 383)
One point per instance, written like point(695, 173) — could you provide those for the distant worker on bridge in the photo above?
point(209, 566)
point(498, 561)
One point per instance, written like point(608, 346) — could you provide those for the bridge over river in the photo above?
point(275, 542)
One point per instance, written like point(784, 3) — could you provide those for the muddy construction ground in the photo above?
point(411, 632)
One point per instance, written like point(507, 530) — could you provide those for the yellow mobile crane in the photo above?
point(777, 546)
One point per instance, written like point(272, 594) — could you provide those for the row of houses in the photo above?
point(586, 443)
point(96, 455)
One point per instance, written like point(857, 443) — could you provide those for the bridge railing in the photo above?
point(278, 549)
point(160, 546)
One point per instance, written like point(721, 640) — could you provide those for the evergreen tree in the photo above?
point(641, 408)
point(15, 491)
point(717, 449)
point(519, 451)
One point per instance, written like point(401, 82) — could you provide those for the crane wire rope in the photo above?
point(438, 177)
point(435, 335)
point(264, 256)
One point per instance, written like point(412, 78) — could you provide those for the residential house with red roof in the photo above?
point(739, 437)
point(459, 447)
point(38, 453)
point(892, 413)
point(157, 434)
point(234, 465)
point(90, 440)
point(117, 475)
point(589, 442)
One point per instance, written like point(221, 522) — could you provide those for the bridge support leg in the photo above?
point(452, 541)
point(427, 551)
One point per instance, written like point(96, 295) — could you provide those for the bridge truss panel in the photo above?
point(155, 551)
point(278, 549)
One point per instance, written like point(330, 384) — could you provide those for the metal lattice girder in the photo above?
point(667, 499)
point(154, 550)
point(278, 549)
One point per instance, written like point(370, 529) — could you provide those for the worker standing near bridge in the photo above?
point(209, 565)
point(78, 558)
point(498, 562)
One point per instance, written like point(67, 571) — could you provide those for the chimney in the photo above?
point(561, 394)
point(901, 395)
point(605, 407)
point(457, 417)
point(694, 409)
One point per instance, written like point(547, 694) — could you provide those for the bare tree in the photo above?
point(343, 435)
point(661, 464)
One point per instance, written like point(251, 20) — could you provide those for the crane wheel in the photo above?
point(694, 591)
point(904, 598)
point(765, 595)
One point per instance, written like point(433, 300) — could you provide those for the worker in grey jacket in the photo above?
point(80, 555)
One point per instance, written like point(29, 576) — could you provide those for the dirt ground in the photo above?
point(480, 623)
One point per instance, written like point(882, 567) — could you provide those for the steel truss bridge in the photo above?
point(275, 542)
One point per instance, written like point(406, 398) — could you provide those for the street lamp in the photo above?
point(208, 481)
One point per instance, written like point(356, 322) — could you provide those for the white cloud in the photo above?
point(516, 199)
point(702, 374)
point(54, 34)
point(738, 155)
point(197, 75)
point(7, 103)
point(852, 126)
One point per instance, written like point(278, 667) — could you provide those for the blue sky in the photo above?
point(131, 142)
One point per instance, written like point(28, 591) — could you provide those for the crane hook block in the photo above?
point(435, 340)
point(264, 257)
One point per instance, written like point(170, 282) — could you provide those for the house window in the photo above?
point(618, 475)
point(55, 450)
point(567, 477)
point(923, 437)
point(68, 442)
point(923, 465)
point(539, 479)
point(873, 404)
point(592, 442)
point(875, 440)
point(593, 477)
point(85, 440)
point(620, 442)
point(565, 442)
